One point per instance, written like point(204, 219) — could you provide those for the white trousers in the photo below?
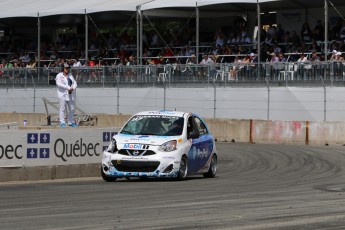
point(62, 112)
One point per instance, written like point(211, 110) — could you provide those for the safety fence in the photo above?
point(284, 73)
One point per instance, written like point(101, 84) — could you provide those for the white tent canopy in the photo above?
point(33, 8)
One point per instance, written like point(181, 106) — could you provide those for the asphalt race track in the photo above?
point(257, 187)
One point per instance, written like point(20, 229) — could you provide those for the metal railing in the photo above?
point(287, 73)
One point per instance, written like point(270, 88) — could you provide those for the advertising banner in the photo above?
point(20, 148)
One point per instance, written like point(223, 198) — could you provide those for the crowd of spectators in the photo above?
point(225, 47)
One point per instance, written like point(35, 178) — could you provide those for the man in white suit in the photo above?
point(66, 91)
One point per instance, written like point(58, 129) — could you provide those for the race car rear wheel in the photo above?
point(107, 178)
point(183, 170)
point(213, 168)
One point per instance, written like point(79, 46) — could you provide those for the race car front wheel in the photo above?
point(107, 178)
point(182, 173)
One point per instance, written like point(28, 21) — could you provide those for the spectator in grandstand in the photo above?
point(130, 71)
point(339, 57)
point(275, 66)
point(191, 59)
point(302, 58)
point(281, 57)
point(168, 54)
point(274, 58)
point(253, 60)
point(32, 68)
point(219, 38)
point(25, 57)
point(214, 50)
point(280, 33)
point(76, 69)
point(206, 61)
point(16, 70)
point(314, 57)
point(272, 30)
point(318, 31)
point(7, 66)
point(335, 59)
point(245, 38)
point(306, 33)
point(236, 67)
point(282, 60)
point(188, 70)
point(91, 69)
point(189, 51)
point(263, 35)
point(311, 69)
point(66, 91)
point(268, 39)
point(227, 51)
point(333, 56)
point(54, 55)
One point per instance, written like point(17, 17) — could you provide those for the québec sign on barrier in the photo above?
point(21, 148)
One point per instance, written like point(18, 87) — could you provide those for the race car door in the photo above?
point(201, 144)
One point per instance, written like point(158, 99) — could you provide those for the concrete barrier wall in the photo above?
point(17, 161)
point(259, 103)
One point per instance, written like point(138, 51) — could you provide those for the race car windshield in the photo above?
point(154, 125)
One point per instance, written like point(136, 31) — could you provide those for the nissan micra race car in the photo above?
point(166, 144)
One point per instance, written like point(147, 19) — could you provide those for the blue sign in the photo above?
point(106, 136)
point(113, 133)
point(32, 138)
point(31, 153)
point(45, 138)
point(44, 152)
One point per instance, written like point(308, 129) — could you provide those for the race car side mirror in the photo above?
point(193, 135)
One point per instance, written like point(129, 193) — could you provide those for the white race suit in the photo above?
point(66, 98)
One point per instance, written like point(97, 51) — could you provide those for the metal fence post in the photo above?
point(324, 99)
point(164, 95)
point(118, 95)
point(214, 101)
point(268, 98)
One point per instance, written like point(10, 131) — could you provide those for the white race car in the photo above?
point(168, 144)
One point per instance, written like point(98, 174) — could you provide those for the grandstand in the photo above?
point(118, 44)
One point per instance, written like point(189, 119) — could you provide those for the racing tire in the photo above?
point(107, 178)
point(183, 170)
point(211, 173)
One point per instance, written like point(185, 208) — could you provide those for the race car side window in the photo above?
point(192, 127)
point(201, 126)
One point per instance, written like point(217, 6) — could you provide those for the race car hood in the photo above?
point(123, 140)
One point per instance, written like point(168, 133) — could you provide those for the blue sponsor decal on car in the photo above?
point(132, 146)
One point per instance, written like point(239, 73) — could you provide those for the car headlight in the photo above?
point(168, 146)
point(112, 148)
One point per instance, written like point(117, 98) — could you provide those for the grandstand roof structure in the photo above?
point(41, 8)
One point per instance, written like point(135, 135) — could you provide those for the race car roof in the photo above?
point(163, 113)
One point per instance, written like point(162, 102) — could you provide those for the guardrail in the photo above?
point(108, 76)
